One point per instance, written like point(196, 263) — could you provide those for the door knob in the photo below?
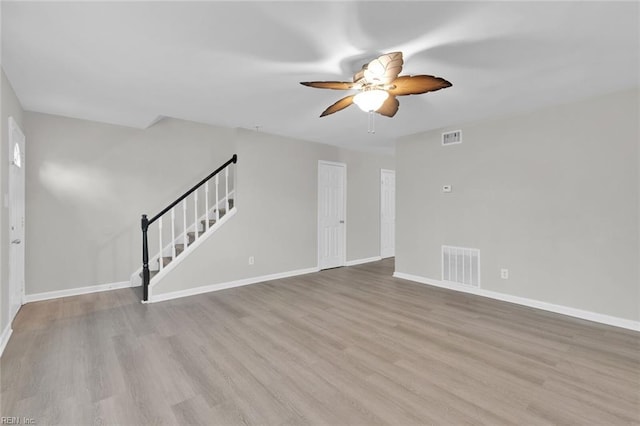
point(16, 241)
point(342, 221)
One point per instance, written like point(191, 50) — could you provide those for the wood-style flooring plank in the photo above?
point(347, 346)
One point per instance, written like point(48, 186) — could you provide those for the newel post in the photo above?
point(145, 258)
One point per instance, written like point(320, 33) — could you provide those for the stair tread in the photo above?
point(180, 247)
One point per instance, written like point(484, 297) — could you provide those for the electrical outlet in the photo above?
point(251, 260)
point(504, 274)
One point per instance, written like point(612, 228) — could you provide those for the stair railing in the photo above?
point(145, 222)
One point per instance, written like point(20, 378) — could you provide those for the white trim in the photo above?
point(231, 284)
point(167, 248)
point(332, 163)
point(532, 303)
point(178, 260)
point(37, 297)
point(4, 338)
point(364, 260)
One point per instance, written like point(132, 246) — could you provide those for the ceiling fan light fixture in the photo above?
point(379, 83)
point(370, 100)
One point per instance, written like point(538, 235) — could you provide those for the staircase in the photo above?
point(184, 224)
point(191, 238)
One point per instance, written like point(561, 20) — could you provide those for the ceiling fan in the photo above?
point(378, 84)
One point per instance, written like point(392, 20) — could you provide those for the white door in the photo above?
point(387, 213)
point(16, 217)
point(331, 214)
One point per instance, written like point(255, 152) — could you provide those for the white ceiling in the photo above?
point(238, 64)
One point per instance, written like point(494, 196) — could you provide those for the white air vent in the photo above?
point(461, 265)
point(450, 138)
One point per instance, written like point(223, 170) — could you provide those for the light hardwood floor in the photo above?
point(343, 346)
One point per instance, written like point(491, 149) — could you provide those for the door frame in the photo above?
point(13, 127)
point(344, 211)
point(382, 172)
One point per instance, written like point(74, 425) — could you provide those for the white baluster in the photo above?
point(184, 224)
point(160, 242)
point(233, 180)
point(206, 205)
point(217, 200)
point(173, 233)
point(195, 214)
point(226, 189)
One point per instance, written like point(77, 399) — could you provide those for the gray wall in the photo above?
point(10, 108)
point(552, 195)
point(87, 185)
point(277, 213)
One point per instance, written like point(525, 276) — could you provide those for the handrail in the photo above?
point(233, 160)
point(146, 222)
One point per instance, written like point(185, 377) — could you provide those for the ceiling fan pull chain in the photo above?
point(371, 128)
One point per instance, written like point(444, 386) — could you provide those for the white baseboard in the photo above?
point(37, 297)
point(231, 284)
point(361, 261)
point(4, 338)
point(559, 309)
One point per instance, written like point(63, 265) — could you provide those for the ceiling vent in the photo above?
point(451, 138)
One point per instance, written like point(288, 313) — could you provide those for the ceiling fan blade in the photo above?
point(416, 84)
point(335, 85)
point(384, 69)
point(389, 107)
point(340, 105)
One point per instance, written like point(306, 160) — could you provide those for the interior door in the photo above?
point(387, 213)
point(16, 217)
point(331, 214)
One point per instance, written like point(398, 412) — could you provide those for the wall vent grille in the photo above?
point(461, 265)
point(451, 138)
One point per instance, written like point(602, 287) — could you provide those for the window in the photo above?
point(16, 155)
